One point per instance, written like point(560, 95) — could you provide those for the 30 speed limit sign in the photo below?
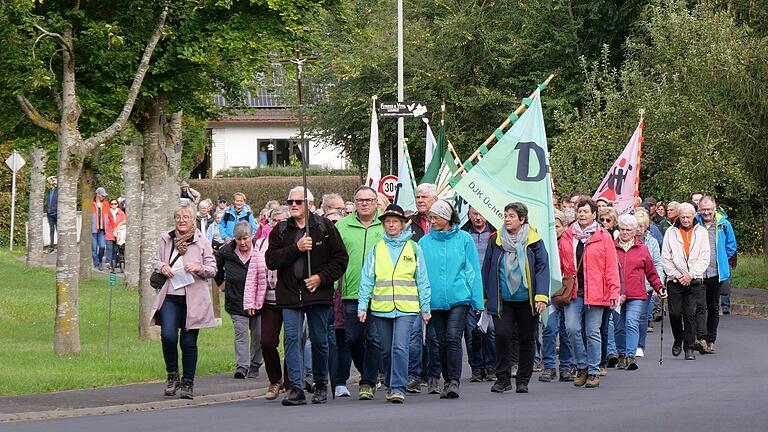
point(388, 186)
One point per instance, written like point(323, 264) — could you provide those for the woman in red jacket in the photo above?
point(112, 220)
point(587, 253)
point(636, 265)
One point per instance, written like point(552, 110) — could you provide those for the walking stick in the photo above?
point(661, 343)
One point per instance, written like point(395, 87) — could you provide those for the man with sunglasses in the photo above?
point(360, 231)
point(305, 287)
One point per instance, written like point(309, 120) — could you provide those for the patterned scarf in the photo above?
point(583, 234)
point(514, 256)
point(181, 241)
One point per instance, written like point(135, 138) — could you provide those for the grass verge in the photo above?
point(751, 272)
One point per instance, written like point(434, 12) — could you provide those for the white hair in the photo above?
point(300, 189)
point(186, 208)
point(627, 220)
point(205, 203)
point(426, 188)
point(327, 198)
point(686, 207)
point(242, 229)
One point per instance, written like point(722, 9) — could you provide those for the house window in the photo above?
point(276, 152)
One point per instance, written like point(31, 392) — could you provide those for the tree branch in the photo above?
point(34, 115)
point(110, 132)
point(51, 35)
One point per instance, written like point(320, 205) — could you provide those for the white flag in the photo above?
point(374, 157)
point(406, 198)
point(431, 144)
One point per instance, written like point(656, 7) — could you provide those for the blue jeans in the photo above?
point(645, 318)
point(394, 334)
point(608, 334)
point(486, 356)
point(448, 326)
point(363, 343)
point(555, 326)
point(98, 247)
point(318, 317)
point(415, 350)
point(173, 318)
point(582, 322)
point(628, 326)
point(343, 360)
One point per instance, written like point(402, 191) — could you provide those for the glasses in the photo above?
point(113, 204)
point(626, 229)
point(606, 220)
point(297, 202)
point(365, 200)
point(184, 218)
point(222, 202)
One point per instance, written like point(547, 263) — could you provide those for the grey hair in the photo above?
point(426, 188)
point(642, 217)
point(327, 198)
point(300, 189)
point(673, 204)
point(559, 215)
point(628, 220)
point(186, 208)
point(686, 206)
point(205, 203)
point(242, 229)
point(280, 210)
point(570, 215)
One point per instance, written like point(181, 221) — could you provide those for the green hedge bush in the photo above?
point(283, 172)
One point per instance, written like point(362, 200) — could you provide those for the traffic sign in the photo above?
point(388, 186)
point(402, 109)
point(15, 161)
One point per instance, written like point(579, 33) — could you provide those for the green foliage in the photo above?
point(752, 272)
point(290, 171)
point(27, 310)
point(262, 189)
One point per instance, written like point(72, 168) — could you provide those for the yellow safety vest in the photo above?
point(395, 286)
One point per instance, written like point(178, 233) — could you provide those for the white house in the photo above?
point(266, 134)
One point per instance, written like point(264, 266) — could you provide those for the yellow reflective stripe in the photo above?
point(389, 283)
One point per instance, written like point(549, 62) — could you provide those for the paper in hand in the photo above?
point(181, 277)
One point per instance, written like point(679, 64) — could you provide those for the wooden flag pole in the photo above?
point(520, 109)
point(639, 158)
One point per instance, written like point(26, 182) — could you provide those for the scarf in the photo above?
point(514, 256)
point(584, 234)
point(626, 246)
point(181, 241)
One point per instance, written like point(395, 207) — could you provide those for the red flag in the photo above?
point(621, 185)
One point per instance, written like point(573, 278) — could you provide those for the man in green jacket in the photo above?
point(360, 232)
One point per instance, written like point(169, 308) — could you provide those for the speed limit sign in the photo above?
point(388, 186)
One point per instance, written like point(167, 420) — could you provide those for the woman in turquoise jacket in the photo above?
point(456, 286)
point(395, 287)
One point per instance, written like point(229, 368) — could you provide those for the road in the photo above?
point(727, 391)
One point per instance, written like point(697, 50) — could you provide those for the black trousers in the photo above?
point(515, 340)
point(708, 310)
point(682, 310)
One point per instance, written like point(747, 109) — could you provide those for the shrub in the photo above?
point(287, 171)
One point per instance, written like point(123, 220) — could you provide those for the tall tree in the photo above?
point(38, 157)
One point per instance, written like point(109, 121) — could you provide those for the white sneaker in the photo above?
point(341, 391)
point(639, 352)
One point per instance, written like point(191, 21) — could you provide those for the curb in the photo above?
point(750, 310)
point(137, 407)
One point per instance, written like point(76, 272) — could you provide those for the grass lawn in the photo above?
point(29, 365)
point(751, 272)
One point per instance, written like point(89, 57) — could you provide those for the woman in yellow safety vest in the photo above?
point(395, 287)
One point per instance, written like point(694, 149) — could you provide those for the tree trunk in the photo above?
point(132, 181)
point(87, 180)
point(38, 158)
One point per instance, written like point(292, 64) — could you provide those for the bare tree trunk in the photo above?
point(87, 179)
point(132, 180)
point(38, 158)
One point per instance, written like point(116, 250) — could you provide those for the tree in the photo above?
point(38, 158)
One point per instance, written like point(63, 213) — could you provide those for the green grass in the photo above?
point(27, 306)
point(751, 272)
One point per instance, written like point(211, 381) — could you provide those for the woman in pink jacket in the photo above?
point(112, 220)
point(183, 305)
point(588, 255)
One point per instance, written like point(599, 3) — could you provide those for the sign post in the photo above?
point(388, 186)
point(112, 282)
point(14, 162)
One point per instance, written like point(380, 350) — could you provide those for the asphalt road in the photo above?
point(727, 391)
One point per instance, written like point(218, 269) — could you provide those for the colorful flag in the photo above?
point(620, 184)
point(432, 171)
point(374, 158)
point(515, 169)
point(431, 144)
point(406, 197)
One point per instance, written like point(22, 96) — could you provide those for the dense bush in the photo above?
point(262, 189)
point(283, 172)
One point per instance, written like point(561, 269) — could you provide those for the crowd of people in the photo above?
point(395, 293)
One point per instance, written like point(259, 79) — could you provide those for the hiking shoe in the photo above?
point(650, 327)
point(622, 363)
point(341, 391)
point(294, 397)
point(433, 386)
point(700, 346)
point(711, 349)
point(452, 390)
point(241, 372)
point(547, 375)
point(612, 361)
point(593, 381)
point(321, 393)
point(726, 311)
point(581, 378)
point(309, 386)
point(172, 384)
point(513, 371)
point(656, 317)
point(677, 348)
point(689, 355)
point(413, 386)
point(185, 389)
point(272, 391)
point(501, 385)
point(521, 388)
point(567, 375)
point(489, 374)
point(396, 397)
point(639, 352)
point(631, 363)
point(603, 371)
point(477, 376)
point(365, 392)
point(253, 372)
point(538, 367)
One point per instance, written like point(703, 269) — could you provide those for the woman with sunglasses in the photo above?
point(114, 219)
point(608, 218)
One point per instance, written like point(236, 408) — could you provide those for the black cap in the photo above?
point(223, 198)
point(393, 210)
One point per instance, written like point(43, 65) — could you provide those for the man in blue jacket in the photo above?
point(722, 246)
point(51, 209)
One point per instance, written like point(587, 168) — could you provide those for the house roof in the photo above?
point(258, 116)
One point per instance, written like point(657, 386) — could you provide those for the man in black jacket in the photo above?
point(298, 292)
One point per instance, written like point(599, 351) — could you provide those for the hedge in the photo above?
point(259, 190)
point(283, 172)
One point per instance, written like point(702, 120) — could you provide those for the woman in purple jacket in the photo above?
point(183, 305)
